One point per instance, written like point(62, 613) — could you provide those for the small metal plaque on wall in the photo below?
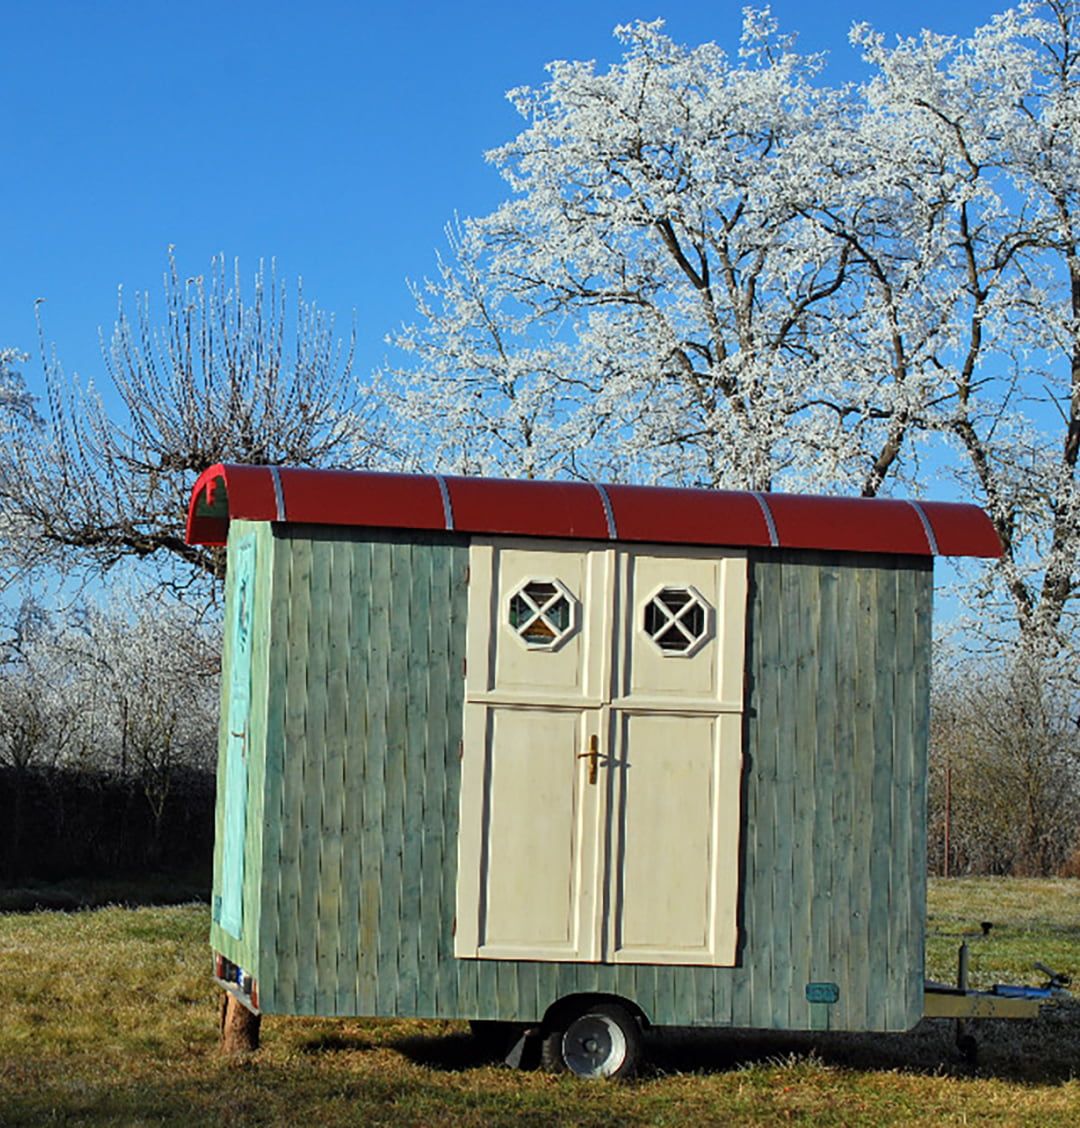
point(822, 992)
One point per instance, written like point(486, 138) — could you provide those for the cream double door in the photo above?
point(602, 759)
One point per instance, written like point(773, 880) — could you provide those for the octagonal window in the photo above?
point(676, 620)
point(542, 613)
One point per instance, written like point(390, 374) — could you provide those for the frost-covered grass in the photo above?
point(108, 1017)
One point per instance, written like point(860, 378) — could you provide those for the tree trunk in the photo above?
point(14, 867)
point(239, 1027)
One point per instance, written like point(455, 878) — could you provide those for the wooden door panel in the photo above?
point(532, 842)
point(535, 878)
point(665, 833)
point(673, 659)
point(556, 662)
point(528, 886)
point(677, 836)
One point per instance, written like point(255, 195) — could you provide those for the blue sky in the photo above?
point(337, 137)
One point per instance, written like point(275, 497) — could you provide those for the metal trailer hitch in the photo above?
point(1002, 1001)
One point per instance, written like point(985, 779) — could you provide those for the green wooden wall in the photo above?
point(356, 871)
point(244, 950)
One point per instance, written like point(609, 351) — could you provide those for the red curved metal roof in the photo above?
point(583, 511)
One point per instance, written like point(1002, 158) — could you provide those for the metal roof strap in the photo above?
point(448, 509)
point(609, 513)
point(774, 540)
point(279, 493)
point(928, 529)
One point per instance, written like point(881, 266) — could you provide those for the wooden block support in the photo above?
point(239, 1027)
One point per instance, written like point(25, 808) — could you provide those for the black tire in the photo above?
point(599, 1040)
point(969, 1049)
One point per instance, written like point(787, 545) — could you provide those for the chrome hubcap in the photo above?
point(594, 1046)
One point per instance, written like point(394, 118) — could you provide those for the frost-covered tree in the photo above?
point(220, 377)
point(125, 694)
point(16, 407)
point(15, 401)
point(39, 717)
point(718, 271)
point(653, 301)
point(962, 209)
point(147, 673)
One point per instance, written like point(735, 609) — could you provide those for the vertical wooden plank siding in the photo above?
point(334, 937)
point(444, 750)
point(363, 705)
point(860, 773)
point(391, 939)
point(766, 890)
point(924, 600)
point(356, 593)
point(313, 762)
point(415, 776)
point(903, 783)
point(220, 940)
point(883, 780)
point(292, 941)
point(802, 605)
point(276, 565)
point(826, 864)
point(245, 951)
point(841, 719)
point(372, 660)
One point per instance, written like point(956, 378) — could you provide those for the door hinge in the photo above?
point(468, 574)
point(461, 749)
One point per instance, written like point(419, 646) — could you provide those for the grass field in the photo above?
point(108, 1017)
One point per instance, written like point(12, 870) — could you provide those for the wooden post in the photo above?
point(948, 818)
point(239, 1027)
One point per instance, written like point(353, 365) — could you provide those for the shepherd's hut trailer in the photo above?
point(573, 756)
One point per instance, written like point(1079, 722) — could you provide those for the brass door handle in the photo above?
point(593, 756)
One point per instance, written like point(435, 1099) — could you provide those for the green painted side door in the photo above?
point(237, 750)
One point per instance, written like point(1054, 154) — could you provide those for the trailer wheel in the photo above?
point(602, 1040)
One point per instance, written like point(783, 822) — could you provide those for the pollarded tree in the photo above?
point(656, 300)
point(963, 214)
point(221, 378)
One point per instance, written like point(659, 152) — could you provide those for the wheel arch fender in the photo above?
point(569, 1006)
